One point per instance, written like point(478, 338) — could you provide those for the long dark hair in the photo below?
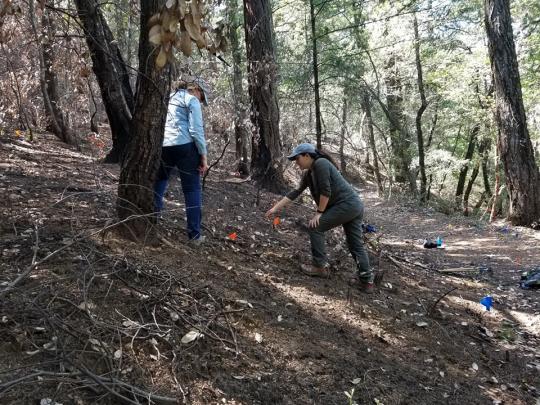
point(319, 153)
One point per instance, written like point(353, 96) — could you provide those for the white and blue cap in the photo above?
point(301, 149)
point(201, 84)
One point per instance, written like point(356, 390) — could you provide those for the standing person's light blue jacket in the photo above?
point(184, 121)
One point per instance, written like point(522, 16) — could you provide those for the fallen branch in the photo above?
point(432, 306)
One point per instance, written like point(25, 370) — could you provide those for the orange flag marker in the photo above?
point(276, 222)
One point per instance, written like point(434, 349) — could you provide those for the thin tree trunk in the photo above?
point(47, 77)
point(366, 106)
point(266, 165)
point(315, 66)
point(469, 187)
point(343, 161)
point(517, 155)
point(420, 112)
point(241, 131)
point(135, 202)
point(465, 168)
point(493, 214)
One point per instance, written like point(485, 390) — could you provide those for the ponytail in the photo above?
point(319, 153)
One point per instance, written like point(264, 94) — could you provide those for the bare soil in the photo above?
point(101, 320)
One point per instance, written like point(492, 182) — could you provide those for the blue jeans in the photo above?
point(186, 159)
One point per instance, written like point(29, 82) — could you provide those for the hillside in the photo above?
point(99, 320)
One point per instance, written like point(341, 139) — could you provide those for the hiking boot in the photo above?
point(367, 287)
point(314, 271)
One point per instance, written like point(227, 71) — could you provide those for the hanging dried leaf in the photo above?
point(193, 31)
point(161, 59)
point(197, 13)
point(182, 8)
point(185, 43)
point(223, 44)
point(202, 41)
point(170, 4)
point(166, 18)
point(154, 36)
point(154, 20)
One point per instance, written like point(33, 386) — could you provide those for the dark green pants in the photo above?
point(349, 215)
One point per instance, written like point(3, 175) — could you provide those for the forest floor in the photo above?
point(102, 320)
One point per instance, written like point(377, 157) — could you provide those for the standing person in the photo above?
point(337, 204)
point(184, 147)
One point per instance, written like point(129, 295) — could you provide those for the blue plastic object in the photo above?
point(487, 301)
point(439, 241)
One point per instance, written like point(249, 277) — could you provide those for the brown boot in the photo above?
point(364, 286)
point(315, 271)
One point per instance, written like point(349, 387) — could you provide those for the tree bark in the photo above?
point(366, 106)
point(241, 130)
point(420, 112)
point(465, 168)
point(135, 202)
point(47, 77)
point(262, 71)
point(401, 143)
point(342, 160)
point(111, 74)
point(315, 65)
point(522, 175)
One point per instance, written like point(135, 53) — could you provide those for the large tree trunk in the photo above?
point(420, 112)
point(315, 65)
point(401, 143)
point(241, 129)
point(111, 75)
point(262, 71)
point(522, 176)
point(47, 77)
point(135, 203)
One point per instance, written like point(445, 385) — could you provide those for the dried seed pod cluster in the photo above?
point(178, 26)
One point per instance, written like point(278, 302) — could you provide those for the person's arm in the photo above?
point(279, 205)
point(196, 130)
point(288, 198)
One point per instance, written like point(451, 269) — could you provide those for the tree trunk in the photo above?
point(497, 190)
point(366, 106)
point(465, 168)
point(401, 143)
point(485, 170)
point(522, 175)
point(468, 190)
point(47, 77)
point(111, 74)
point(262, 71)
point(315, 65)
point(241, 131)
point(420, 112)
point(342, 160)
point(135, 203)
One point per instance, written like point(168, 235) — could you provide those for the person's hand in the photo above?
point(314, 222)
point(269, 213)
point(203, 167)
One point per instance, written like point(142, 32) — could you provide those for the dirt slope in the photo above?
point(102, 320)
